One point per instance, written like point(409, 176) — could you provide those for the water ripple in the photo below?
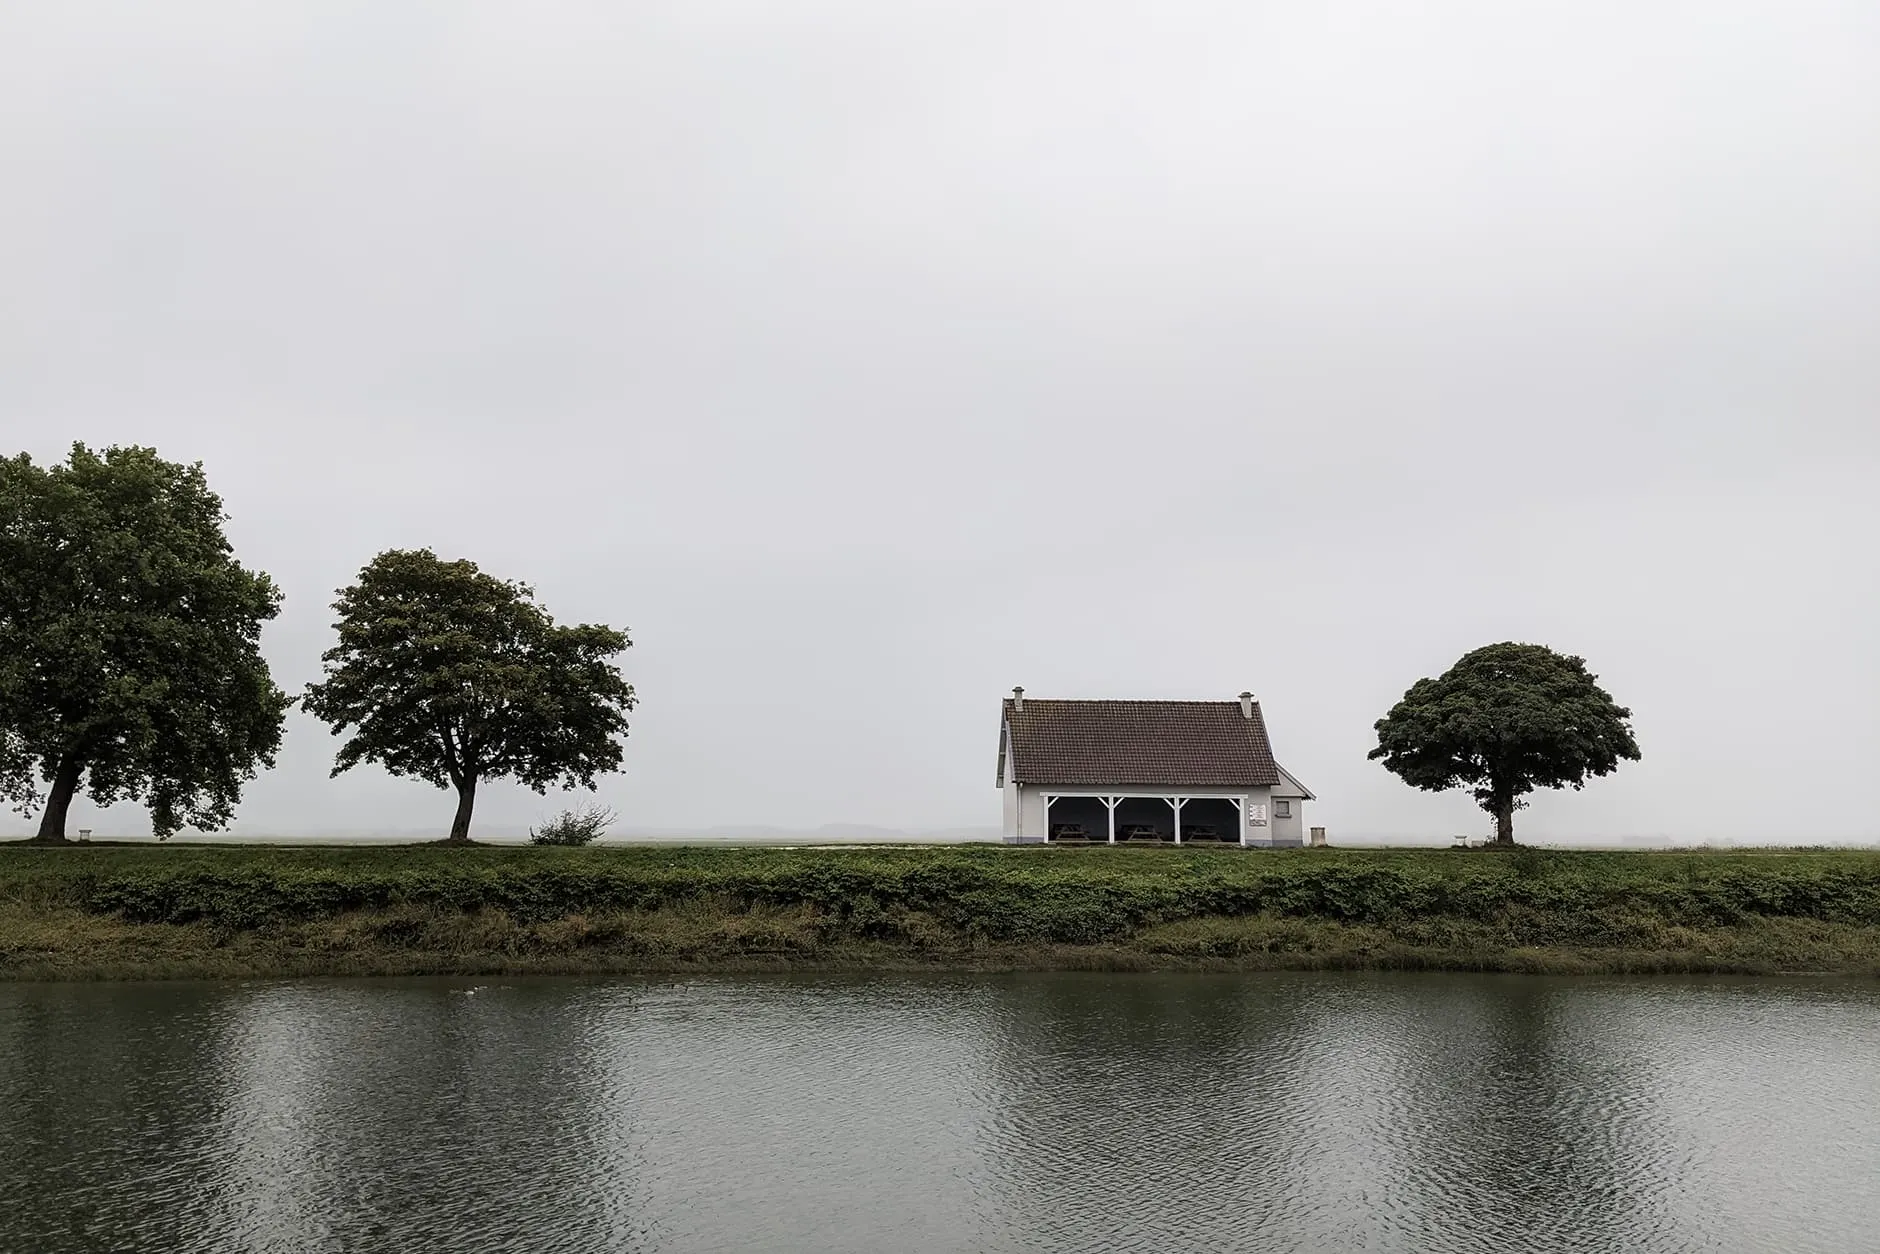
point(1020, 1113)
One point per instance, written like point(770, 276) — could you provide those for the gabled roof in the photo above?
point(1112, 743)
point(1290, 787)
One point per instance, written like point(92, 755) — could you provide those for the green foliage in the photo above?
point(1504, 720)
point(963, 897)
point(1529, 863)
point(581, 825)
point(452, 676)
point(130, 656)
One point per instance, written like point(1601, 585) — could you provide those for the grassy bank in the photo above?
point(175, 911)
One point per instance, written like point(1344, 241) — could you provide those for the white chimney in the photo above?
point(1246, 705)
point(1018, 699)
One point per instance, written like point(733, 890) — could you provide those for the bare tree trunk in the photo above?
point(59, 803)
point(466, 802)
point(1504, 820)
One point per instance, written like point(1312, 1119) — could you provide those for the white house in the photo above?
point(1180, 771)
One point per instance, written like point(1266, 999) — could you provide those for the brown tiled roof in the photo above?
point(1113, 743)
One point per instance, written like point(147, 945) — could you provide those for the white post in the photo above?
point(1048, 799)
point(1176, 804)
point(1110, 804)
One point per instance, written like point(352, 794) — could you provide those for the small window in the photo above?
point(1282, 809)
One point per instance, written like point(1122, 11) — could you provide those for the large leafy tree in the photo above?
point(1504, 720)
point(452, 676)
point(130, 660)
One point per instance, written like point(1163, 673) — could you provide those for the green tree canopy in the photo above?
point(130, 658)
point(1504, 720)
point(445, 674)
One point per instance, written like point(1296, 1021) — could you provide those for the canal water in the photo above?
point(1066, 1112)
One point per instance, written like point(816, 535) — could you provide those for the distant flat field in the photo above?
point(144, 910)
point(317, 849)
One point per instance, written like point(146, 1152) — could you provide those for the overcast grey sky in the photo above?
point(867, 359)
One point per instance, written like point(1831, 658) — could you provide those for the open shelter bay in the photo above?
point(1060, 1111)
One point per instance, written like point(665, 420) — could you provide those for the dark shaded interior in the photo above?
point(1078, 818)
point(1210, 820)
point(1144, 820)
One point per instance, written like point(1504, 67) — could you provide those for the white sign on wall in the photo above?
point(1256, 814)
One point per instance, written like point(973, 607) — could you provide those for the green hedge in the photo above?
point(1029, 895)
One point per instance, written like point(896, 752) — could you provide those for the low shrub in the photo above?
point(582, 825)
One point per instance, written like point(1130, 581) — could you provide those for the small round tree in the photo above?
point(453, 676)
point(1504, 720)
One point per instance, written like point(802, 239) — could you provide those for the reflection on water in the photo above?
point(1061, 1112)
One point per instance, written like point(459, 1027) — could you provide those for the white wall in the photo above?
point(1288, 830)
point(1259, 806)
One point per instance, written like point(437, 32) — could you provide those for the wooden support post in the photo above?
point(1176, 804)
point(1110, 804)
